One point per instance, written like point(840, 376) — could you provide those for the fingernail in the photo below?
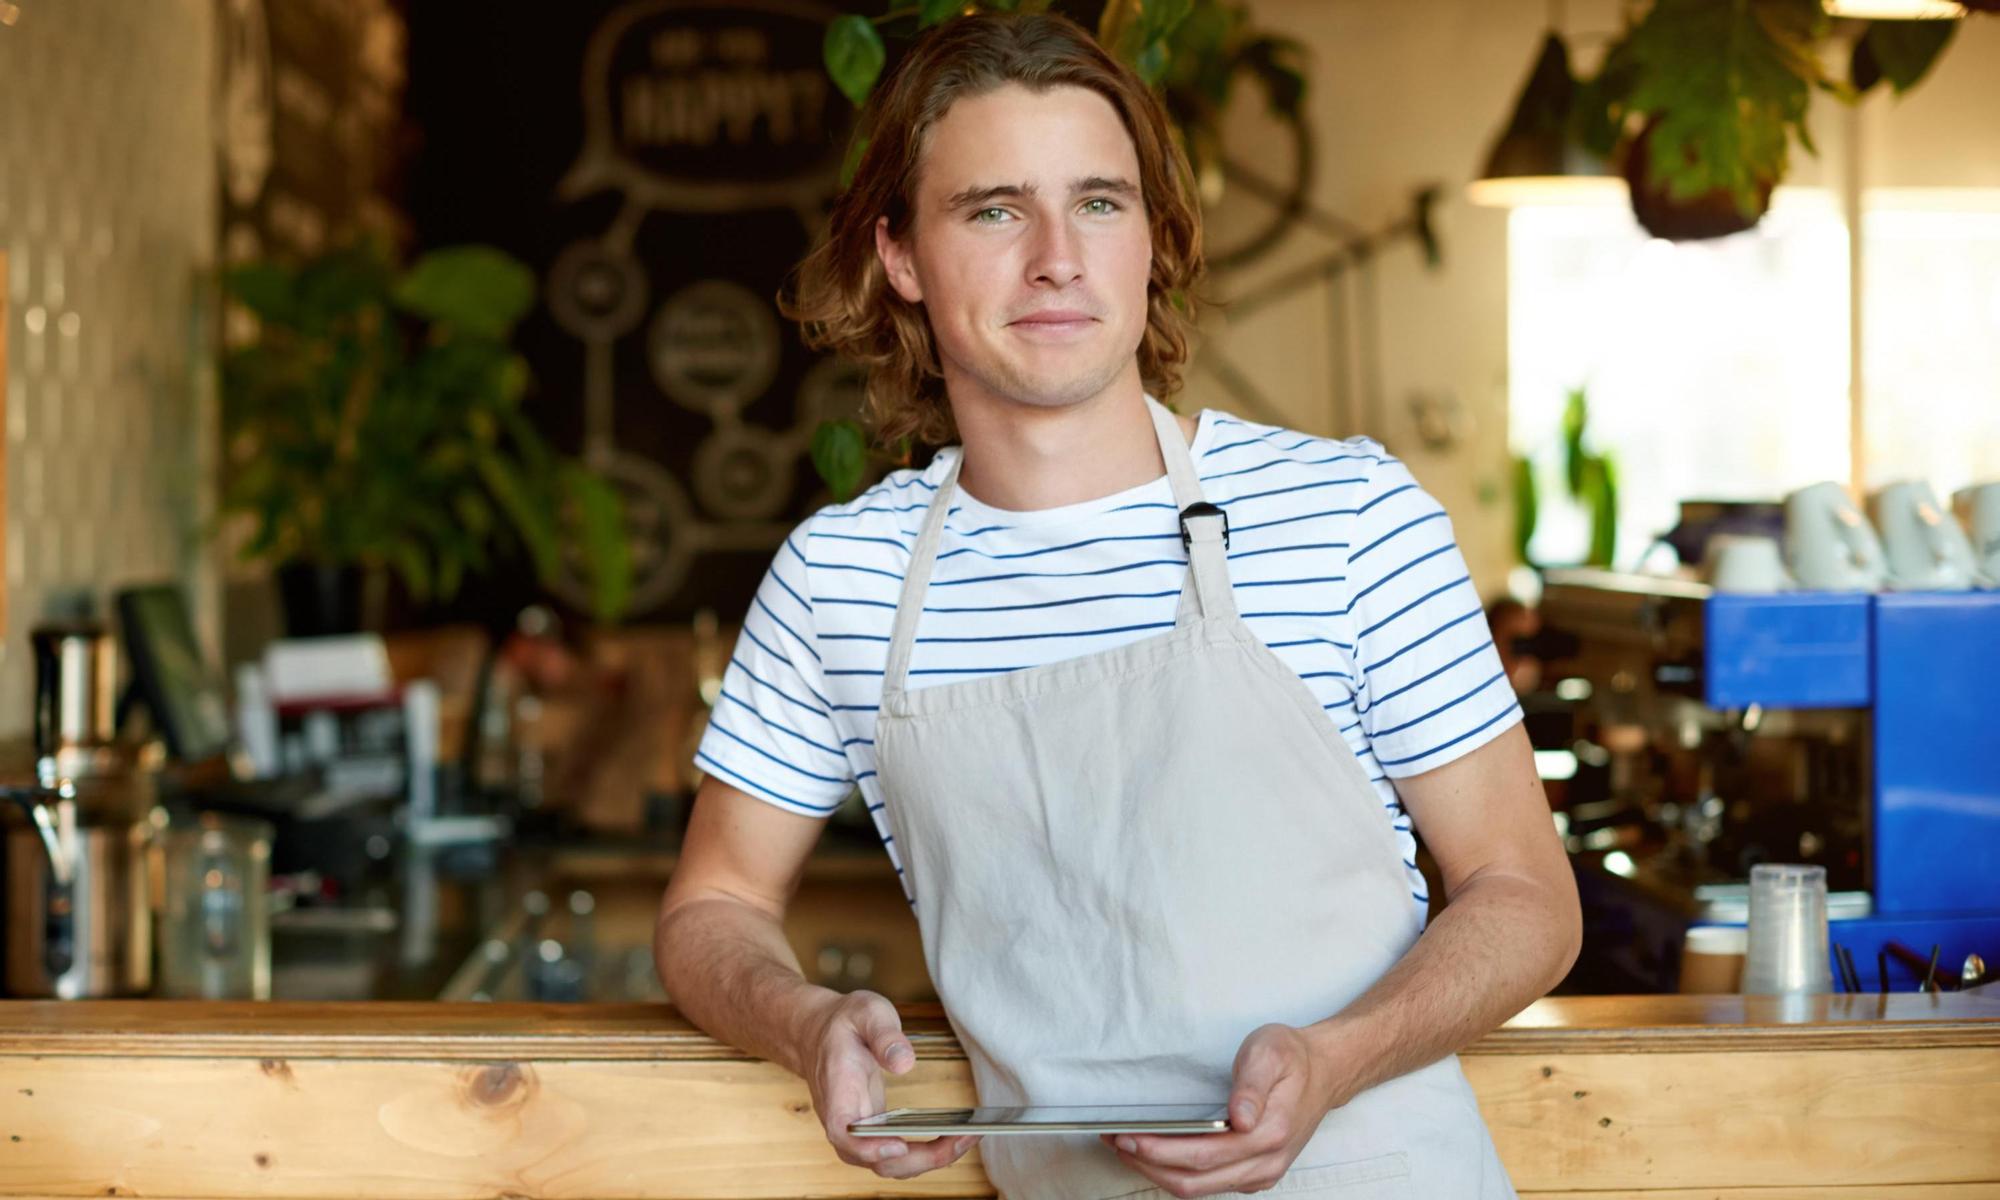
point(893, 1150)
point(1248, 1111)
point(1128, 1145)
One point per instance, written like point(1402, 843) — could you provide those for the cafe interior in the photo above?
point(399, 420)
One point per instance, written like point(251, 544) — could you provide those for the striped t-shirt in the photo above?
point(1340, 562)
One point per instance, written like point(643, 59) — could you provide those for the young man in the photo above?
point(1148, 709)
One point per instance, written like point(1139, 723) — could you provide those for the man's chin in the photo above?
point(1044, 380)
point(1044, 390)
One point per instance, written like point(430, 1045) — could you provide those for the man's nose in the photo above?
point(1058, 256)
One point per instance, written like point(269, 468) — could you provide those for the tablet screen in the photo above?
point(1097, 1118)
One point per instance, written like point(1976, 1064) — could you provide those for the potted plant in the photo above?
point(373, 425)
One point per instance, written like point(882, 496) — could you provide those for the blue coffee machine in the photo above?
point(1925, 666)
point(1883, 712)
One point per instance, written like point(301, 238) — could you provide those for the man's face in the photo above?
point(1028, 248)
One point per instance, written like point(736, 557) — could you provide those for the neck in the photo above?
point(1022, 457)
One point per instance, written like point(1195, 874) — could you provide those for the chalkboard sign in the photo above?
point(662, 164)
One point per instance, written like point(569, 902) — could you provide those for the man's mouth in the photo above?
point(1054, 321)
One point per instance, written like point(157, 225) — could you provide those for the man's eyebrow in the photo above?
point(1100, 183)
point(982, 194)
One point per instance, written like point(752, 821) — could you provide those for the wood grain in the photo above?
point(1632, 1097)
point(1785, 1117)
point(378, 1029)
point(4, 288)
point(370, 1130)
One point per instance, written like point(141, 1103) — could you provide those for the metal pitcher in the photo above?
point(78, 912)
point(78, 922)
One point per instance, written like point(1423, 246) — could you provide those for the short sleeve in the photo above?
point(1428, 673)
point(771, 732)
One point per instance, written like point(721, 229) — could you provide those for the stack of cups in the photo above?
point(1787, 953)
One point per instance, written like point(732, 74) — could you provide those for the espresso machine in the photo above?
point(78, 903)
point(1714, 731)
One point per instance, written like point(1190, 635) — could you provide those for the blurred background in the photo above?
point(399, 419)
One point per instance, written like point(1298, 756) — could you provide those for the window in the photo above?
point(1931, 346)
point(1719, 370)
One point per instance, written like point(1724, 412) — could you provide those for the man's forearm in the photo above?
point(1500, 944)
point(728, 968)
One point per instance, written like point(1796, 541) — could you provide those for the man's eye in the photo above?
point(1101, 204)
point(989, 216)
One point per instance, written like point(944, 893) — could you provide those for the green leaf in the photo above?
point(1159, 18)
point(341, 284)
point(530, 519)
point(1152, 63)
point(473, 512)
point(601, 535)
point(473, 289)
point(407, 556)
point(450, 575)
point(1728, 84)
point(1527, 508)
point(1202, 59)
point(856, 147)
point(1576, 414)
point(1599, 107)
point(840, 455)
point(1906, 50)
point(1120, 29)
point(1600, 496)
point(266, 289)
point(931, 12)
point(854, 56)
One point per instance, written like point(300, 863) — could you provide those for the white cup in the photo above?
point(1829, 545)
point(1712, 958)
point(1925, 547)
point(1979, 507)
point(1740, 562)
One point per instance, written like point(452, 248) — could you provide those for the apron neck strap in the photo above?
point(1204, 527)
point(916, 581)
point(1204, 531)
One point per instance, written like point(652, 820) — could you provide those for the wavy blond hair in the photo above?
point(840, 293)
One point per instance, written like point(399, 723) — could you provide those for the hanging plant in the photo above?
point(1700, 100)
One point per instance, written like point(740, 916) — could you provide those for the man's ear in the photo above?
point(897, 264)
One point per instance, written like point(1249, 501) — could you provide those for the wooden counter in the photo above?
point(1668, 1098)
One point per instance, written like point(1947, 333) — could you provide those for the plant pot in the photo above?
point(1711, 214)
point(321, 599)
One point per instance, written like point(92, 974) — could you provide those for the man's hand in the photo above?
point(847, 1043)
point(1276, 1101)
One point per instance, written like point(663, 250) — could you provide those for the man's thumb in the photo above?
point(1257, 1072)
point(886, 1040)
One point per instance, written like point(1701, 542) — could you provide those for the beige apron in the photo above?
point(1124, 863)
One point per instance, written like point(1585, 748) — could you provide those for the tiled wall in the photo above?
point(107, 217)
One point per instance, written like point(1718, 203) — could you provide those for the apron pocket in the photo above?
point(1384, 1177)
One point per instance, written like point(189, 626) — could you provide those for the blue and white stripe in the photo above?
point(1340, 561)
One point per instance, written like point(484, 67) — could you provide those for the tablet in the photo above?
point(1100, 1118)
